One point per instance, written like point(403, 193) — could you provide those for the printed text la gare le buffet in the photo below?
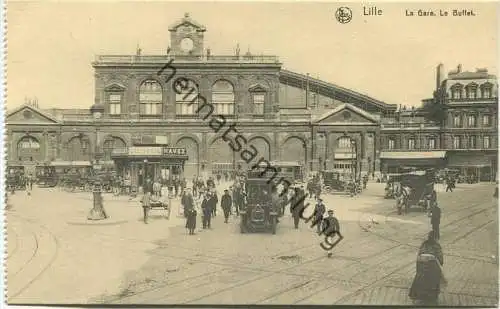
point(462, 12)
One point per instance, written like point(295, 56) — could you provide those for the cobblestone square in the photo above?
point(158, 263)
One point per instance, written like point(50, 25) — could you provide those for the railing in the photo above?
point(474, 100)
point(408, 125)
point(425, 149)
point(162, 59)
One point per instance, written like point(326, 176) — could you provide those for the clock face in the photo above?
point(187, 44)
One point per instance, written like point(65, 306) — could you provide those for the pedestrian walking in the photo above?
point(237, 198)
point(177, 184)
point(146, 204)
point(206, 211)
point(297, 206)
point(319, 212)
point(225, 204)
point(436, 220)
point(449, 185)
point(331, 227)
point(214, 199)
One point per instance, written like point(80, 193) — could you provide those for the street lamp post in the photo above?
point(97, 212)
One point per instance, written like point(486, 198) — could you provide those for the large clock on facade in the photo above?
point(187, 45)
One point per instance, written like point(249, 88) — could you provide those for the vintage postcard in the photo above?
point(251, 153)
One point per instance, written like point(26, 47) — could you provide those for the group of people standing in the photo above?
point(206, 202)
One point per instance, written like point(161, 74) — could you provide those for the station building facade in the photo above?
point(232, 111)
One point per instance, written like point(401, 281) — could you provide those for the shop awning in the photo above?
point(401, 155)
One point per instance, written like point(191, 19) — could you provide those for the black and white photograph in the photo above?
point(250, 153)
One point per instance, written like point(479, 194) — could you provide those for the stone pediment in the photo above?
point(257, 88)
point(187, 21)
point(115, 87)
point(29, 114)
point(347, 114)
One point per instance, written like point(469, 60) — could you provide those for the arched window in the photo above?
point(28, 149)
point(456, 91)
point(486, 90)
point(471, 91)
point(186, 97)
point(150, 98)
point(391, 144)
point(78, 149)
point(223, 98)
point(110, 144)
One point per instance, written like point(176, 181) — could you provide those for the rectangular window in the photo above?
point(471, 93)
point(472, 142)
point(432, 143)
point(456, 142)
point(411, 144)
point(150, 108)
point(392, 144)
point(486, 93)
point(115, 103)
point(456, 93)
point(258, 103)
point(457, 121)
point(486, 120)
point(471, 121)
point(486, 142)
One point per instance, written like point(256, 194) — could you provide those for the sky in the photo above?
point(391, 57)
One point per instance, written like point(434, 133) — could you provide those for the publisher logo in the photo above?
point(343, 15)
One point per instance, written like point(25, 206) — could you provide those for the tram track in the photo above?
point(307, 278)
point(25, 286)
point(8, 239)
point(375, 282)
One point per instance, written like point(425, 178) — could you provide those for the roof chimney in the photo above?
point(439, 76)
point(459, 68)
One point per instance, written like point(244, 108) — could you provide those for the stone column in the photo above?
point(46, 146)
point(11, 149)
point(277, 149)
point(327, 153)
point(204, 152)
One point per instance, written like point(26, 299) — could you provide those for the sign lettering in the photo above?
point(144, 151)
point(174, 151)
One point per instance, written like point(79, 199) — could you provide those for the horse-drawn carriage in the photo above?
point(416, 188)
point(16, 178)
point(46, 176)
point(258, 212)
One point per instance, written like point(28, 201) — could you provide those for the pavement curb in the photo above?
point(97, 222)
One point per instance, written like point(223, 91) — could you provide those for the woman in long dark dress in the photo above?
point(426, 285)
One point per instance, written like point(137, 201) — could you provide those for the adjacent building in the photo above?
point(221, 112)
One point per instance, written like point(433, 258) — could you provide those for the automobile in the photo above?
point(257, 213)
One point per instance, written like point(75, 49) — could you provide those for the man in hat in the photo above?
point(330, 227)
point(213, 202)
point(206, 211)
point(319, 212)
point(435, 220)
point(225, 204)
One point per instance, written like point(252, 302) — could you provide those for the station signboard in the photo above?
point(145, 151)
point(171, 151)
